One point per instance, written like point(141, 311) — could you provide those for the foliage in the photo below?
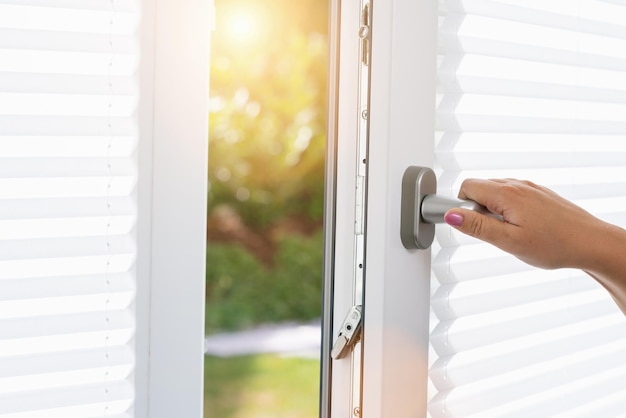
point(242, 292)
point(267, 115)
point(266, 156)
point(261, 386)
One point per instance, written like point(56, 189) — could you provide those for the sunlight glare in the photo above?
point(243, 26)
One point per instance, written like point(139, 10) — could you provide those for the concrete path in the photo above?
point(290, 339)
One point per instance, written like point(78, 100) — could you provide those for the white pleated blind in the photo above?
point(68, 139)
point(531, 89)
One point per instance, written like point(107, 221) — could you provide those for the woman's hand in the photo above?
point(539, 227)
point(544, 230)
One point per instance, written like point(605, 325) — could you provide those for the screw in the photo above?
point(364, 31)
point(364, 114)
point(357, 412)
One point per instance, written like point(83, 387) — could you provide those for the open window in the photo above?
point(474, 89)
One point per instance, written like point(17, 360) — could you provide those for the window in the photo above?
point(103, 194)
point(527, 89)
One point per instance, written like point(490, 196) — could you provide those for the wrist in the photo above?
point(604, 253)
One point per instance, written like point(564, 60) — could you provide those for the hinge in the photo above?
point(348, 334)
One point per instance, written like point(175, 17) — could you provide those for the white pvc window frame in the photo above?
point(172, 188)
point(397, 282)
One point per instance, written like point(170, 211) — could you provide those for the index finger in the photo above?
point(485, 192)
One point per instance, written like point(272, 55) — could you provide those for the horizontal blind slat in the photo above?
point(42, 40)
point(38, 125)
point(528, 125)
point(106, 301)
point(69, 207)
point(66, 228)
point(76, 105)
point(51, 287)
point(472, 72)
point(66, 187)
point(465, 368)
point(469, 298)
point(464, 333)
point(67, 146)
point(113, 336)
point(580, 16)
point(514, 160)
point(66, 266)
point(552, 37)
point(84, 401)
point(50, 296)
point(64, 325)
point(601, 404)
point(103, 5)
point(66, 333)
point(537, 108)
point(66, 167)
point(66, 247)
point(467, 263)
point(539, 90)
point(34, 61)
point(447, 345)
point(32, 17)
point(455, 403)
point(500, 48)
point(51, 370)
point(68, 84)
point(515, 142)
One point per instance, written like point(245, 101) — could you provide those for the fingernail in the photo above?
point(453, 219)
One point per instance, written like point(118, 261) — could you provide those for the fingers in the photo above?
point(485, 228)
point(485, 192)
point(532, 218)
point(500, 195)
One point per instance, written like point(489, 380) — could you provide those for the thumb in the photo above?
point(477, 225)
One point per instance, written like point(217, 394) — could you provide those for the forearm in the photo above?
point(606, 261)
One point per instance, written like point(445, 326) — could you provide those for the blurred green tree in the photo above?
point(266, 162)
point(267, 109)
point(243, 292)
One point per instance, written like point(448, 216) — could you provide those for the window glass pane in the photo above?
point(266, 169)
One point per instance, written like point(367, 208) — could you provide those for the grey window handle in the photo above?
point(433, 207)
point(422, 208)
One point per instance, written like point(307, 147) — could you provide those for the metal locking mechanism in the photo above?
point(348, 334)
point(421, 208)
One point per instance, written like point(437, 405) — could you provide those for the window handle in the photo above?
point(422, 208)
point(434, 207)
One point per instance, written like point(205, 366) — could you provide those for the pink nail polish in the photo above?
point(454, 219)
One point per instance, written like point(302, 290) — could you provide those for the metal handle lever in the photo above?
point(421, 208)
point(434, 207)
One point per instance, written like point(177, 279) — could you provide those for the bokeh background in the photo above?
point(266, 175)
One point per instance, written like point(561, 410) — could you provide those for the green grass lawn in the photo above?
point(261, 386)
